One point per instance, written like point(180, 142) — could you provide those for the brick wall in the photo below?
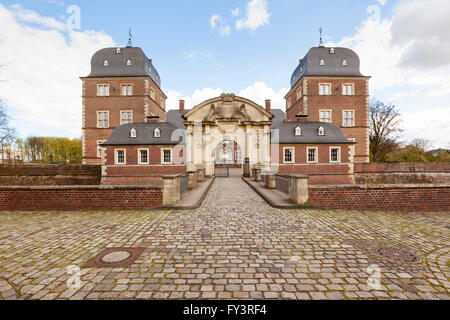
point(49, 175)
point(395, 173)
point(384, 197)
point(79, 198)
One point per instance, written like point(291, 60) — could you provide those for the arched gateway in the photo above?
point(224, 121)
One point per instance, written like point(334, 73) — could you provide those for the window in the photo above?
point(118, 51)
point(133, 133)
point(103, 90)
point(127, 90)
point(103, 119)
point(325, 89)
point(143, 156)
point(100, 149)
point(335, 155)
point(312, 155)
point(126, 117)
point(106, 63)
point(167, 156)
point(347, 89)
point(120, 156)
point(325, 116)
point(298, 131)
point(299, 93)
point(321, 131)
point(331, 50)
point(162, 103)
point(129, 63)
point(152, 94)
point(349, 118)
point(288, 155)
point(289, 103)
point(322, 62)
point(157, 133)
point(344, 63)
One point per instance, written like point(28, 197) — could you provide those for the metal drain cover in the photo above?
point(115, 258)
point(397, 255)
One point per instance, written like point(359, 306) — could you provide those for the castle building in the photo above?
point(127, 129)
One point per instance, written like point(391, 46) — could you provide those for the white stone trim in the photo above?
point(339, 155)
point(116, 158)
point(139, 156)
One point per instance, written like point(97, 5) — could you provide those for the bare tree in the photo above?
point(384, 129)
point(423, 144)
point(6, 132)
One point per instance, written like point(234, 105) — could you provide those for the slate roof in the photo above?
point(310, 64)
point(310, 132)
point(141, 66)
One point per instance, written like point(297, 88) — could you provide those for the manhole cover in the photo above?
point(115, 258)
point(397, 255)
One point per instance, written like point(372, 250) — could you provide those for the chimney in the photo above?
point(182, 106)
point(268, 106)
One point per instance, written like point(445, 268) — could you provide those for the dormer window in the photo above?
point(331, 50)
point(322, 62)
point(128, 63)
point(298, 131)
point(106, 63)
point(321, 131)
point(301, 69)
point(149, 69)
point(157, 133)
point(133, 133)
point(118, 51)
point(344, 63)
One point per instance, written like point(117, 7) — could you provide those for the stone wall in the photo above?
point(75, 198)
point(382, 197)
point(402, 173)
point(50, 175)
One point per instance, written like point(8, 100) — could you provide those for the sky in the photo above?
point(203, 48)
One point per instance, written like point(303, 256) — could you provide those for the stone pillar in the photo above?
point(271, 180)
point(257, 174)
point(200, 176)
point(171, 190)
point(298, 189)
point(192, 180)
point(247, 168)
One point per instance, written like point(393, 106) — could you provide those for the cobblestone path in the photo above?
point(234, 247)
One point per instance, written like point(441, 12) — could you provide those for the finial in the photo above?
point(321, 39)
point(130, 37)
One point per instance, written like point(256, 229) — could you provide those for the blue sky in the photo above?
point(204, 47)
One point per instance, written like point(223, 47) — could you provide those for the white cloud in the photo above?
point(258, 92)
point(236, 12)
point(42, 69)
point(257, 16)
point(382, 2)
point(216, 22)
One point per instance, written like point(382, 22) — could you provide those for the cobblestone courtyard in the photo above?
point(234, 247)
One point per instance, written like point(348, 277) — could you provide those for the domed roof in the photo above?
point(123, 62)
point(326, 61)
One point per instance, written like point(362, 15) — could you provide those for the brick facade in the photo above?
point(391, 198)
point(309, 103)
point(140, 103)
point(79, 198)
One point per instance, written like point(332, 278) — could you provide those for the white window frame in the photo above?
point(344, 63)
point(324, 111)
point(345, 89)
point(321, 131)
point(103, 120)
point(152, 94)
point(339, 154)
point(105, 93)
point(322, 91)
point(155, 135)
point(128, 90)
point(292, 149)
point(163, 158)
point(116, 157)
point(106, 63)
point(133, 133)
point(122, 118)
point(344, 118)
point(322, 62)
point(140, 158)
point(299, 93)
point(129, 63)
point(162, 103)
point(298, 132)
point(101, 149)
point(316, 160)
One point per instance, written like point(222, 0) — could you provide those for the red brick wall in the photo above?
point(79, 198)
point(389, 198)
point(383, 173)
point(336, 102)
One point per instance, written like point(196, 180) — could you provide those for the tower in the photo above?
point(123, 87)
point(327, 86)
